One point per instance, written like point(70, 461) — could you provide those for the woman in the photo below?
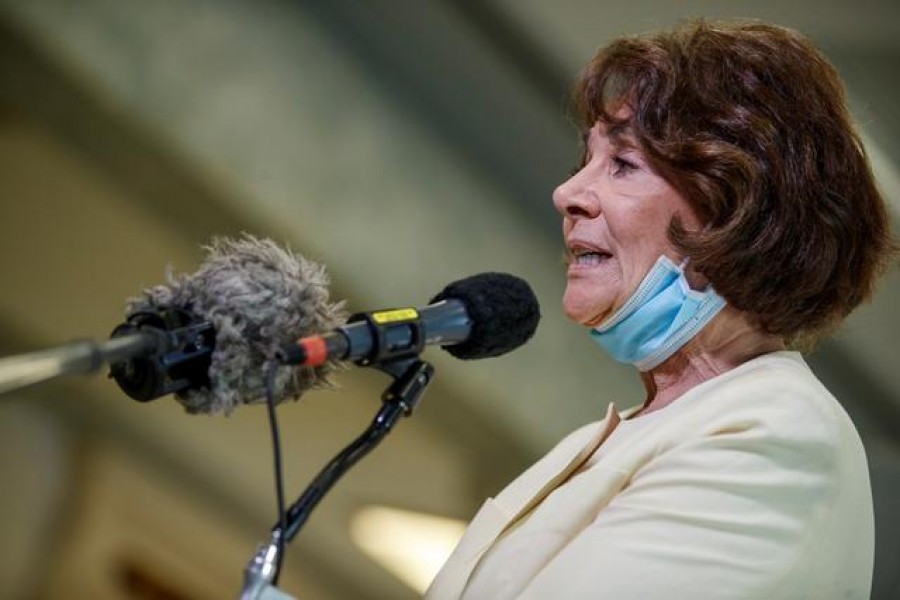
point(724, 211)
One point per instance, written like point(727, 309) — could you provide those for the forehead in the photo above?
point(618, 133)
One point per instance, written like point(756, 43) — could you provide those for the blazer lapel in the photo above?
point(555, 476)
point(498, 514)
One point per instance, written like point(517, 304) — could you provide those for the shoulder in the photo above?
point(770, 420)
point(776, 394)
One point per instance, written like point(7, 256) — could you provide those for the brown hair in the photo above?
point(749, 123)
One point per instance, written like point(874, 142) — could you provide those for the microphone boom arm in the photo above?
point(76, 358)
point(152, 354)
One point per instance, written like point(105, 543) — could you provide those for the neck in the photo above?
point(725, 343)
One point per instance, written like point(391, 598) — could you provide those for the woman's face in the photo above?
point(616, 214)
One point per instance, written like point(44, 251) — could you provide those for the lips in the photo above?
point(585, 255)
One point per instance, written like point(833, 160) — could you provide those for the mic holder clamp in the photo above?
point(180, 359)
point(396, 334)
point(411, 377)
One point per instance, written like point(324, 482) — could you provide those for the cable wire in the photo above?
point(271, 373)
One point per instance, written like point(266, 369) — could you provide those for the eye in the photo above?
point(622, 166)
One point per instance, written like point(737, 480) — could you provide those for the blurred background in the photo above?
point(402, 144)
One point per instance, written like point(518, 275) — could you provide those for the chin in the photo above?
point(587, 311)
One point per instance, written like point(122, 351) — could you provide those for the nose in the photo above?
point(574, 200)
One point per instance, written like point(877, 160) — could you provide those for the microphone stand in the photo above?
point(411, 378)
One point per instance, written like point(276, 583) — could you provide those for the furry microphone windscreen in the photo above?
point(259, 297)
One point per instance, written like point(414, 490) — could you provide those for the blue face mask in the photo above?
point(660, 317)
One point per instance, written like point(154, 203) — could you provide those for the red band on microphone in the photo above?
point(316, 350)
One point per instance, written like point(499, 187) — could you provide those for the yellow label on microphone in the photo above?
point(393, 316)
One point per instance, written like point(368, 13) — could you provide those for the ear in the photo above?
point(697, 281)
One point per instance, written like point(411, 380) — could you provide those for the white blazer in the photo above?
point(751, 485)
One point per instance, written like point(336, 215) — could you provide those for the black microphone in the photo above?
point(477, 317)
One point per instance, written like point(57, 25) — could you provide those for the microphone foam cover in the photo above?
point(259, 297)
point(504, 312)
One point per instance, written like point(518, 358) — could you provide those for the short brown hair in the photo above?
point(749, 123)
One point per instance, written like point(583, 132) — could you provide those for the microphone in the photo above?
point(209, 337)
point(481, 316)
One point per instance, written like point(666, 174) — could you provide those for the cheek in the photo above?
point(645, 223)
point(639, 229)
point(642, 236)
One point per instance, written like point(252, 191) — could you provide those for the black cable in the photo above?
point(276, 451)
